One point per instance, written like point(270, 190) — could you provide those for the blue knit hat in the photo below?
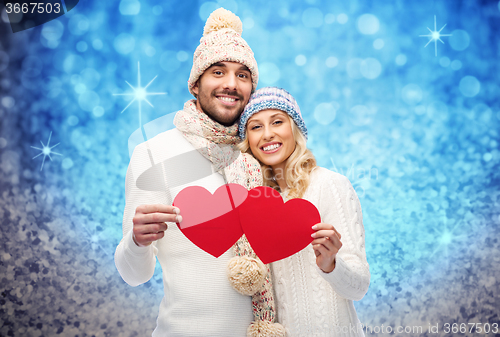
point(271, 98)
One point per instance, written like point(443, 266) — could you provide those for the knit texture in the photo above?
point(314, 303)
point(271, 98)
point(222, 42)
point(216, 143)
point(198, 300)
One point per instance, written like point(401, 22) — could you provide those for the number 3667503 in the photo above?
point(32, 8)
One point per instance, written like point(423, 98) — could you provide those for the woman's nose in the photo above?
point(268, 133)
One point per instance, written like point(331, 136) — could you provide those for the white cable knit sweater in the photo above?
point(198, 300)
point(312, 303)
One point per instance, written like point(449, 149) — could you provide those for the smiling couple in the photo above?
point(253, 138)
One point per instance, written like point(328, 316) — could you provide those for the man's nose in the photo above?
point(230, 82)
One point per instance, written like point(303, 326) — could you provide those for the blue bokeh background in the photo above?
point(415, 132)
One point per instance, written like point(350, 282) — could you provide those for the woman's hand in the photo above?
point(326, 244)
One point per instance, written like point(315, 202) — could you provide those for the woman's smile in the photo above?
point(271, 147)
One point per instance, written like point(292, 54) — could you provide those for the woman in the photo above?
point(315, 287)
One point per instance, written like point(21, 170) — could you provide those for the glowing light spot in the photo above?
point(81, 46)
point(73, 120)
point(182, 56)
point(88, 100)
point(90, 77)
point(8, 102)
point(78, 24)
point(52, 30)
point(150, 51)
point(98, 111)
point(444, 61)
point(130, 7)
point(67, 163)
point(325, 113)
point(446, 238)
point(97, 44)
point(435, 35)
point(370, 68)
point(368, 24)
point(401, 59)
point(459, 40)
point(248, 23)
point(412, 94)
point(361, 115)
point(46, 150)
point(73, 63)
point(140, 94)
point(342, 18)
point(206, 9)
point(332, 62)
point(469, 86)
point(124, 43)
point(269, 73)
point(300, 60)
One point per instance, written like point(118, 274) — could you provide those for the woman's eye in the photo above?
point(278, 122)
point(254, 127)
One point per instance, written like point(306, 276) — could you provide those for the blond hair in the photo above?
point(298, 166)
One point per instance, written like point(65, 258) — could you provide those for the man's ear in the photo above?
point(196, 88)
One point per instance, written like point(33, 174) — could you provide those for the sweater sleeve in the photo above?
point(351, 276)
point(135, 264)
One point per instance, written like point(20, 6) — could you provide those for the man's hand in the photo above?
point(326, 244)
point(149, 222)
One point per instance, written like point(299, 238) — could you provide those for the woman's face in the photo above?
point(271, 138)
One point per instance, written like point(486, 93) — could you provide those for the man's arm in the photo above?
point(143, 224)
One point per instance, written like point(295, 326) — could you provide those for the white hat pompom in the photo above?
point(222, 18)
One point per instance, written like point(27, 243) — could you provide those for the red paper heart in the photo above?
point(275, 229)
point(209, 221)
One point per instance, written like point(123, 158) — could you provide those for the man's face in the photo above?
point(223, 91)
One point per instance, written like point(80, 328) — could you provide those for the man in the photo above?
point(199, 300)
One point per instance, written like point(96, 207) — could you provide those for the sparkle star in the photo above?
point(140, 93)
point(446, 239)
point(46, 151)
point(435, 35)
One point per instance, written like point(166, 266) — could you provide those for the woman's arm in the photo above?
point(340, 207)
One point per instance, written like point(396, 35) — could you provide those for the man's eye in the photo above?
point(218, 72)
point(243, 75)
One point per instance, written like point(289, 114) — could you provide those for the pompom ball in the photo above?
point(222, 18)
point(246, 274)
